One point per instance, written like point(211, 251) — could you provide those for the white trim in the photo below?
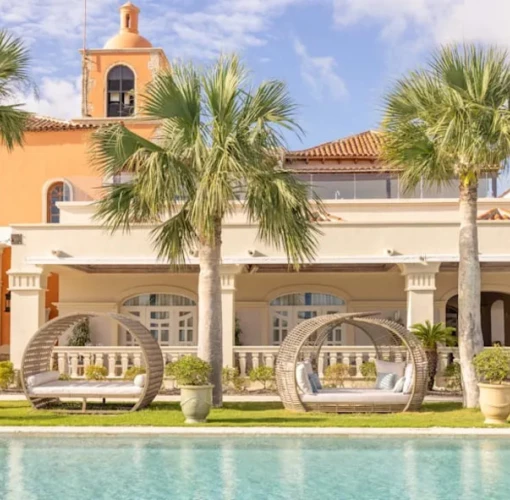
point(400, 259)
point(45, 188)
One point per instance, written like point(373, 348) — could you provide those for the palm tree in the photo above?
point(430, 336)
point(450, 121)
point(13, 77)
point(217, 149)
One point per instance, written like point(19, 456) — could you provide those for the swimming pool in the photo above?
point(253, 468)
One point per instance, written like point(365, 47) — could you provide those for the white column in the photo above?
point(228, 313)
point(420, 280)
point(28, 296)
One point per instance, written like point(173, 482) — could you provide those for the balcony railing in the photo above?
point(73, 361)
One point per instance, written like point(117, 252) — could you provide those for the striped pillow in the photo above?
point(385, 381)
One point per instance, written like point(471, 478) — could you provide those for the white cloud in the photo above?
point(320, 74)
point(57, 98)
point(431, 21)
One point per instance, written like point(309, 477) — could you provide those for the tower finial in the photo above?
point(129, 18)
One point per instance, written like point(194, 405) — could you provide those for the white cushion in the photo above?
point(89, 388)
point(355, 396)
point(409, 379)
point(140, 380)
point(302, 379)
point(42, 378)
point(399, 386)
point(390, 367)
point(385, 381)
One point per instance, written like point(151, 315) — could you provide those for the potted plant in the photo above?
point(492, 368)
point(430, 335)
point(192, 376)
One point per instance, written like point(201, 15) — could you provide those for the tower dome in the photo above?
point(128, 36)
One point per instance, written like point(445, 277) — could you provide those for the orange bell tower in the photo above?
point(115, 76)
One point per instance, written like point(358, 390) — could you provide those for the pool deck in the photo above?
point(445, 432)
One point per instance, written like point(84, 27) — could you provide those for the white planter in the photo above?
point(495, 403)
point(196, 402)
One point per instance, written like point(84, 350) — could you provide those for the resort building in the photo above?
point(381, 248)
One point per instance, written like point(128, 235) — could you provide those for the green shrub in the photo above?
point(368, 370)
point(231, 377)
point(453, 376)
point(64, 376)
point(264, 375)
point(190, 370)
point(80, 336)
point(132, 372)
point(95, 372)
point(336, 374)
point(492, 365)
point(6, 374)
point(169, 370)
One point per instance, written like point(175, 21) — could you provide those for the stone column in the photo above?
point(228, 313)
point(28, 297)
point(420, 282)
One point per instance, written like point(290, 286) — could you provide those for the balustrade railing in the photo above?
point(73, 361)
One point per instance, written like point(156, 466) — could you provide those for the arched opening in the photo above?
point(121, 92)
point(495, 309)
point(56, 192)
point(287, 311)
point(171, 319)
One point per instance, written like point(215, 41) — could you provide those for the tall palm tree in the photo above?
point(450, 121)
point(217, 148)
point(13, 77)
point(430, 335)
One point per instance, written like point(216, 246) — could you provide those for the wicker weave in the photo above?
point(37, 357)
point(387, 337)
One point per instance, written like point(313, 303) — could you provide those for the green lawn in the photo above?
point(246, 415)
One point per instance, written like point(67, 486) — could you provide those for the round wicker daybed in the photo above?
point(43, 388)
point(389, 338)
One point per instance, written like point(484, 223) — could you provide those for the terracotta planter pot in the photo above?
point(196, 402)
point(495, 403)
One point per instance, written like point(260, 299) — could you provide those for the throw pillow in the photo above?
point(399, 386)
point(409, 375)
point(390, 367)
point(315, 381)
point(302, 379)
point(385, 381)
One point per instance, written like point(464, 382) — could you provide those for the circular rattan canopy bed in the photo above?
point(37, 359)
point(390, 339)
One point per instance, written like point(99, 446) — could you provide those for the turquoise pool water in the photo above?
point(253, 468)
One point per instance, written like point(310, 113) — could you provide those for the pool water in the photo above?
point(253, 468)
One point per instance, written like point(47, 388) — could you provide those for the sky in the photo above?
point(338, 57)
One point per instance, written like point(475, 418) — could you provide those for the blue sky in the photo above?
point(337, 56)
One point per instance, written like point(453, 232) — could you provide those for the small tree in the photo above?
point(336, 374)
point(6, 374)
point(430, 335)
point(95, 372)
point(132, 372)
point(368, 370)
point(492, 365)
point(190, 370)
point(80, 336)
point(264, 375)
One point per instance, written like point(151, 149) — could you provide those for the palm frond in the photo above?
point(12, 125)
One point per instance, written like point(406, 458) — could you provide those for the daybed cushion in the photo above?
point(42, 378)
point(139, 380)
point(355, 396)
point(390, 367)
point(399, 386)
point(90, 388)
point(302, 379)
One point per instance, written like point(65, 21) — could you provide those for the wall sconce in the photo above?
point(7, 307)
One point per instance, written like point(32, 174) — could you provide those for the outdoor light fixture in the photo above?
point(7, 307)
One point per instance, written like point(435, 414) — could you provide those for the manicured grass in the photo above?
point(17, 413)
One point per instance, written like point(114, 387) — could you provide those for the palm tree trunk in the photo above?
point(432, 364)
point(470, 332)
point(209, 311)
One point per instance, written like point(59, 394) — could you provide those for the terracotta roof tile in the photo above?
point(37, 123)
point(364, 146)
point(495, 214)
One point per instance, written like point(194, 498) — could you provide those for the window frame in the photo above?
point(108, 92)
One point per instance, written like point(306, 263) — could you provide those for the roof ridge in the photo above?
point(51, 118)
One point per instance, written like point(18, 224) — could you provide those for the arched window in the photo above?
point(287, 311)
point(58, 191)
point(171, 319)
point(121, 92)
